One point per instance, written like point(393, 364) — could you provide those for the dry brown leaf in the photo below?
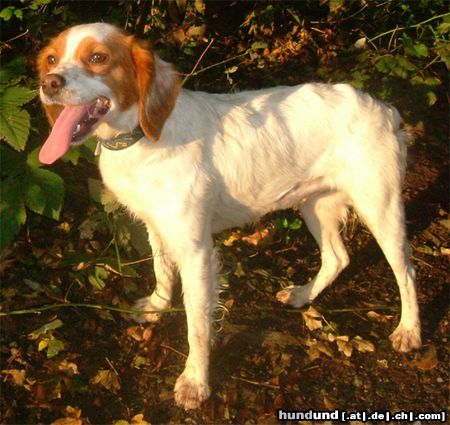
point(69, 367)
point(72, 418)
point(107, 378)
point(344, 345)
point(379, 317)
point(135, 332)
point(428, 360)
point(15, 376)
point(139, 420)
point(362, 345)
point(316, 348)
point(147, 334)
point(260, 237)
point(235, 236)
point(312, 318)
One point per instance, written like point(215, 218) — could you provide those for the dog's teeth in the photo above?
point(77, 129)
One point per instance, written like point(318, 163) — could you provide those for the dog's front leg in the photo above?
point(197, 277)
point(166, 275)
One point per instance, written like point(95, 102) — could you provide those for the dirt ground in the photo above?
point(265, 356)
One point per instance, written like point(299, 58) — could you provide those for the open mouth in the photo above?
point(94, 112)
point(74, 123)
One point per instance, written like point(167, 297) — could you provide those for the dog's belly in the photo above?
point(235, 209)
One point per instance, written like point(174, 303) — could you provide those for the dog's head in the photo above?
point(96, 78)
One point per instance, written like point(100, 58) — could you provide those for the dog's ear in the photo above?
point(158, 85)
point(52, 111)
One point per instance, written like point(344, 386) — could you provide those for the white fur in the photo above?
point(224, 160)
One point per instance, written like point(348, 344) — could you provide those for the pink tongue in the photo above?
point(58, 143)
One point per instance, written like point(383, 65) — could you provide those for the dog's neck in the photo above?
point(186, 120)
point(120, 122)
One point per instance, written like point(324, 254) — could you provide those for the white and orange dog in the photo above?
point(189, 164)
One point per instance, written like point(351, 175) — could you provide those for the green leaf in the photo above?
point(15, 123)
point(259, 45)
point(7, 13)
point(12, 211)
point(335, 5)
point(405, 63)
point(14, 127)
point(431, 98)
point(44, 192)
point(96, 279)
point(385, 64)
point(421, 50)
point(54, 347)
point(43, 344)
point(16, 96)
point(295, 224)
point(55, 324)
point(18, 13)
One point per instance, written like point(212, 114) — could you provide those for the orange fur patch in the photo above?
point(56, 47)
point(153, 109)
point(116, 71)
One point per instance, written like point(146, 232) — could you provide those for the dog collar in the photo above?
point(122, 141)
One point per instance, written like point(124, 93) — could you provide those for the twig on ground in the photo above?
point(174, 350)
point(260, 384)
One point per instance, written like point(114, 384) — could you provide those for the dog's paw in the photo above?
point(150, 303)
point(189, 394)
point(405, 340)
point(296, 296)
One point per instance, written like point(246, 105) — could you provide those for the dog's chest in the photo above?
point(140, 186)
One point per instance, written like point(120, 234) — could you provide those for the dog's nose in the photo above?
point(52, 84)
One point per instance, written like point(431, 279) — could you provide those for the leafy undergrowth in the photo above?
point(84, 365)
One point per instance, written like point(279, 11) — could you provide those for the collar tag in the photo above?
point(122, 141)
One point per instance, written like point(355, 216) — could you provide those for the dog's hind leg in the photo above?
point(323, 215)
point(166, 275)
point(385, 219)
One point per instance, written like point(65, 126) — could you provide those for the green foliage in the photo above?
point(286, 224)
point(14, 121)
point(47, 340)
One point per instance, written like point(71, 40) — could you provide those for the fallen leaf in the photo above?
point(428, 360)
point(147, 334)
point(107, 379)
point(445, 251)
point(261, 237)
point(362, 345)
point(312, 318)
point(235, 236)
point(316, 348)
point(344, 346)
point(379, 317)
point(383, 363)
point(69, 367)
point(135, 332)
point(72, 418)
point(17, 376)
point(139, 420)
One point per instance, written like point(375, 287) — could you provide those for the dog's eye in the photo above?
point(51, 60)
point(98, 58)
